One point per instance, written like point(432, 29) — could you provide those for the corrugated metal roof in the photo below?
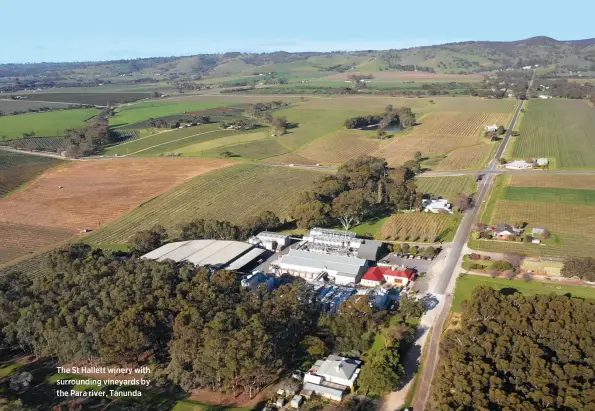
point(323, 389)
point(200, 252)
point(343, 264)
point(245, 259)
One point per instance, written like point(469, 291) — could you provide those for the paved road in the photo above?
point(445, 282)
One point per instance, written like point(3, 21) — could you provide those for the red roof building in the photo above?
point(379, 274)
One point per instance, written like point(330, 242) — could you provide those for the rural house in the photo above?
point(332, 377)
point(519, 165)
point(542, 162)
point(391, 275)
point(504, 231)
point(493, 127)
point(440, 206)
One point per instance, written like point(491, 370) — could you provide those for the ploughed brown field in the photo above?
point(87, 194)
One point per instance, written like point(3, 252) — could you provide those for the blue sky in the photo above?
point(75, 30)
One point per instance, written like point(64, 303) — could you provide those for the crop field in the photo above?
point(153, 142)
point(89, 96)
point(135, 113)
point(290, 158)
point(313, 123)
point(17, 169)
point(567, 213)
point(446, 187)
point(442, 132)
point(87, 194)
point(253, 150)
point(232, 194)
point(560, 129)
point(553, 180)
point(550, 195)
point(31, 266)
point(51, 144)
point(342, 146)
point(424, 227)
point(200, 148)
point(467, 158)
point(12, 106)
point(52, 123)
point(414, 75)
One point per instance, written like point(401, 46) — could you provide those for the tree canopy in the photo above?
point(515, 352)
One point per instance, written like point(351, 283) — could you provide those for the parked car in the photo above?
point(418, 257)
point(385, 261)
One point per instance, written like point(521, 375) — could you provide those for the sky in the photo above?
point(75, 30)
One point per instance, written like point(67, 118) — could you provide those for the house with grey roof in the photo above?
point(504, 231)
point(333, 377)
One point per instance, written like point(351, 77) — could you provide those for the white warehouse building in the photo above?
point(312, 266)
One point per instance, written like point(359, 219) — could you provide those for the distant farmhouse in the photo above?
point(493, 127)
point(525, 165)
point(504, 231)
point(375, 276)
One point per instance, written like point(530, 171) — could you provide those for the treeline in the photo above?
point(263, 112)
point(583, 268)
point(176, 123)
point(45, 109)
point(148, 240)
point(516, 352)
point(362, 187)
point(197, 329)
point(565, 89)
point(87, 140)
point(391, 115)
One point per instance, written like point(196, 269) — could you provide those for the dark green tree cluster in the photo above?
point(86, 140)
point(391, 115)
point(198, 329)
point(515, 352)
point(583, 268)
point(224, 230)
point(361, 188)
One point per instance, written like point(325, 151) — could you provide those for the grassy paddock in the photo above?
point(466, 283)
point(52, 123)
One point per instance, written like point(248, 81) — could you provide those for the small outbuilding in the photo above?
point(297, 401)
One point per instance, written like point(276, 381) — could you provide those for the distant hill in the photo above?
point(464, 57)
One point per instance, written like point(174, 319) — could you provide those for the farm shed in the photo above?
point(370, 250)
point(310, 265)
point(216, 253)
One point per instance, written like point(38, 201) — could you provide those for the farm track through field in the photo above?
point(172, 141)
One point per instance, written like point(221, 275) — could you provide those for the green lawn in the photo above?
point(48, 124)
point(549, 195)
point(7, 368)
point(467, 282)
point(371, 226)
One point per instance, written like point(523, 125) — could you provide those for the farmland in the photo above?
point(135, 113)
point(442, 132)
point(567, 213)
point(563, 130)
point(52, 144)
point(232, 193)
point(11, 106)
point(342, 146)
point(17, 169)
point(418, 226)
point(446, 187)
point(87, 194)
point(43, 124)
point(93, 96)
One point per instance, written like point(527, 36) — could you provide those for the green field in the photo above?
point(549, 195)
point(17, 169)
point(254, 150)
point(569, 215)
point(135, 113)
point(231, 193)
point(467, 282)
point(558, 129)
point(11, 106)
point(44, 124)
point(446, 187)
point(153, 143)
